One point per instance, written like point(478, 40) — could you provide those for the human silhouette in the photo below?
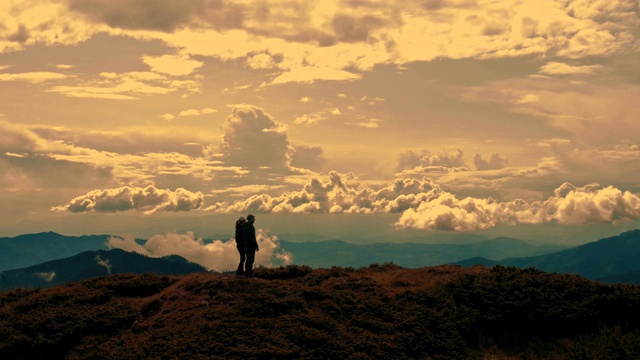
point(240, 245)
point(250, 244)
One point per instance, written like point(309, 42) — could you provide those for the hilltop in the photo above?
point(296, 312)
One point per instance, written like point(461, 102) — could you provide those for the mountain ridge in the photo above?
point(604, 258)
point(93, 263)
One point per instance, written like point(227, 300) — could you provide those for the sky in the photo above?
point(373, 120)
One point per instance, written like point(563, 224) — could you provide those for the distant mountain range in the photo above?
point(341, 253)
point(92, 264)
point(32, 249)
point(613, 259)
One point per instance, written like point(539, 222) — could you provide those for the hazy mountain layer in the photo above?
point(412, 255)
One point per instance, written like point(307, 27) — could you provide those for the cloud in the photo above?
point(422, 204)
point(166, 16)
point(528, 99)
point(490, 162)
point(190, 112)
point(33, 77)
point(368, 124)
point(311, 74)
point(127, 86)
point(104, 263)
point(40, 22)
point(57, 144)
point(149, 199)
point(570, 205)
point(176, 65)
point(261, 61)
point(217, 255)
point(254, 139)
point(447, 158)
point(307, 157)
point(444, 161)
point(305, 41)
point(338, 194)
point(558, 68)
point(46, 276)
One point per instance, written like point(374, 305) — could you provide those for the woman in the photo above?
point(240, 245)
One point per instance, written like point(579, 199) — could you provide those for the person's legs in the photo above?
point(248, 265)
point(240, 270)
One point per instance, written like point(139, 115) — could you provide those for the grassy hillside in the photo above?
point(377, 312)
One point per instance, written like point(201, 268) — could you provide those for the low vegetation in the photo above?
point(296, 312)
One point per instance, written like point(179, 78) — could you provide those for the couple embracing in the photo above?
point(246, 244)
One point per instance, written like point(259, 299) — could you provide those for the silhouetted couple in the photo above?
point(247, 245)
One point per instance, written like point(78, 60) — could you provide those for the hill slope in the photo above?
point(94, 263)
point(603, 258)
point(32, 249)
point(380, 312)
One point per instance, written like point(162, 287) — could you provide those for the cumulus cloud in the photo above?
point(490, 162)
point(339, 193)
point(217, 255)
point(307, 157)
point(425, 205)
point(253, 139)
point(570, 205)
point(149, 199)
point(447, 160)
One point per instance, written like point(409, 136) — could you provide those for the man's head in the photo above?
point(251, 218)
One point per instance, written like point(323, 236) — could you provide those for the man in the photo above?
point(250, 245)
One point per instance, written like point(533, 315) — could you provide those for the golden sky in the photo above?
point(446, 115)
